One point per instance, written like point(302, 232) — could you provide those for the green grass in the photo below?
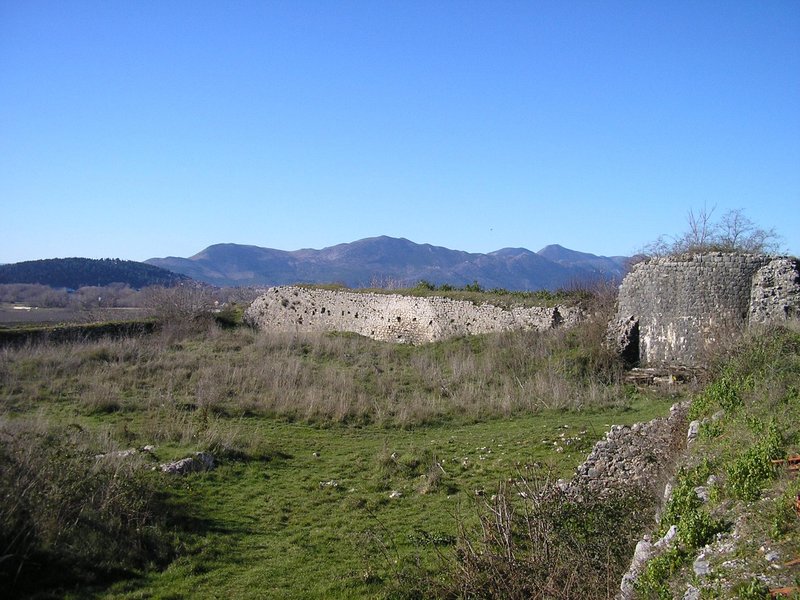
point(277, 530)
point(313, 434)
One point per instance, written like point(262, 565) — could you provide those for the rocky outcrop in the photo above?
point(394, 317)
point(676, 309)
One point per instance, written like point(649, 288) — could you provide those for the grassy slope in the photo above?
point(750, 415)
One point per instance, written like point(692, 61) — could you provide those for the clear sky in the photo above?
point(136, 129)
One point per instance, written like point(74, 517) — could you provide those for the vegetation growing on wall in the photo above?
point(589, 295)
point(749, 415)
point(732, 232)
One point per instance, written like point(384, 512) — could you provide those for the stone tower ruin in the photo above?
point(675, 309)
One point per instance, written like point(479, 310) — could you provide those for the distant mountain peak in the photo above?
point(511, 252)
point(398, 260)
point(557, 251)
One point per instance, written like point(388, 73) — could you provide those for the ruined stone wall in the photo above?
point(640, 457)
point(775, 295)
point(393, 317)
point(673, 310)
point(638, 460)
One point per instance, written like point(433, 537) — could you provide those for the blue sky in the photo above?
point(149, 128)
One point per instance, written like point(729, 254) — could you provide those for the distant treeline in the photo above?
point(74, 273)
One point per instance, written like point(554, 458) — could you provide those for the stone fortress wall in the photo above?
point(394, 317)
point(674, 310)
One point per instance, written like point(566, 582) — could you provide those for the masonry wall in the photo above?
point(638, 457)
point(392, 317)
point(775, 295)
point(673, 310)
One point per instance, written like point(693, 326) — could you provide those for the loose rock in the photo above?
point(201, 461)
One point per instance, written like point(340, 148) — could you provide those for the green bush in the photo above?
point(652, 583)
point(230, 316)
point(722, 393)
point(753, 468)
point(684, 500)
point(710, 429)
point(697, 528)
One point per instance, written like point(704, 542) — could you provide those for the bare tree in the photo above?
point(702, 230)
point(182, 303)
point(734, 232)
point(737, 232)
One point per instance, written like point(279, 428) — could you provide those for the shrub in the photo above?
point(753, 468)
point(66, 515)
point(652, 583)
point(534, 542)
point(229, 316)
point(722, 393)
point(725, 394)
point(683, 501)
point(697, 528)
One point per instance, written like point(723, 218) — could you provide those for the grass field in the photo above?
point(345, 465)
point(297, 525)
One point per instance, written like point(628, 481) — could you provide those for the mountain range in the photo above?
point(385, 261)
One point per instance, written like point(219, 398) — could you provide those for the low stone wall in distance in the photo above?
point(395, 317)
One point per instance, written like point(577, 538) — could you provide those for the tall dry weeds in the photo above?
point(69, 515)
point(319, 377)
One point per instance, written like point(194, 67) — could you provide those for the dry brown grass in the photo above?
point(534, 543)
point(317, 377)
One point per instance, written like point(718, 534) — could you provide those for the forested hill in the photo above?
point(78, 272)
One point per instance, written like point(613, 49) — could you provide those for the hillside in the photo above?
point(730, 527)
point(78, 272)
point(398, 261)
